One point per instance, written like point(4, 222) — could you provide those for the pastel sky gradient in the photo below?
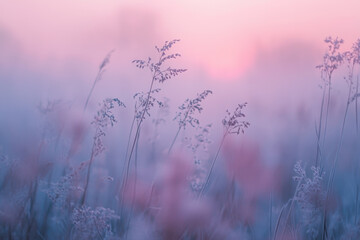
point(260, 51)
point(222, 38)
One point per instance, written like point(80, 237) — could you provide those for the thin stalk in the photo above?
point(134, 190)
point(33, 191)
point(136, 138)
point(332, 172)
point(291, 207)
point(126, 154)
point(327, 111)
point(342, 130)
point(179, 129)
point(173, 141)
point(278, 220)
point(212, 164)
point(82, 201)
point(153, 143)
point(356, 204)
point(357, 134)
point(129, 138)
point(138, 131)
point(356, 106)
point(98, 77)
point(318, 150)
point(270, 215)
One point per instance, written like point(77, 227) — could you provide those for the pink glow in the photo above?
point(221, 37)
point(113, 128)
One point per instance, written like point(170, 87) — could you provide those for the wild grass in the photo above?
point(70, 183)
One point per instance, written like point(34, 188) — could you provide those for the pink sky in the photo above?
point(221, 38)
point(260, 51)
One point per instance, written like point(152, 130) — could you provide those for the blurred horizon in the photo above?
point(260, 52)
point(221, 39)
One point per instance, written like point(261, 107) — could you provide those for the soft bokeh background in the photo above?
point(263, 52)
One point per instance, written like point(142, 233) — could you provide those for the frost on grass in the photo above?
point(92, 223)
point(59, 192)
point(311, 198)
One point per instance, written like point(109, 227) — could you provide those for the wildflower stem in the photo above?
point(128, 144)
point(213, 164)
point(191, 106)
point(87, 178)
point(318, 149)
point(138, 132)
point(126, 155)
point(291, 207)
point(327, 111)
point(98, 76)
point(270, 215)
point(356, 204)
point(177, 133)
point(356, 105)
point(134, 189)
point(174, 140)
point(332, 172)
point(138, 127)
point(278, 220)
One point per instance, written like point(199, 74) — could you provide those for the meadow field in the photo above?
point(77, 170)
point(217, 125)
